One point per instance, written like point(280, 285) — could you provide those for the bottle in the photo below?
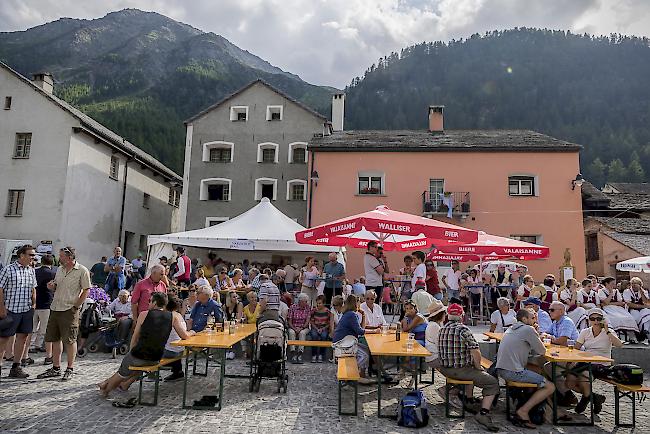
point(232, 327)
point(398, 332)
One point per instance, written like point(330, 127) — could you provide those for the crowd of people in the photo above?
point(40, 309)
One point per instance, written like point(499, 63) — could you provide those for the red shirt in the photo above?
point(433, 287)
point(143, 290)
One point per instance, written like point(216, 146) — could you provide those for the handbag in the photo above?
point(6, 322)
point(346, 347)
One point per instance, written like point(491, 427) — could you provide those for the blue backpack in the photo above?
point(412, 411)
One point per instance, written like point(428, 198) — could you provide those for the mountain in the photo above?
point(141, 73)
point(594, 91)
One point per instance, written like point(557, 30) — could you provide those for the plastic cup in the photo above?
point(571, 344)
point(384, 329)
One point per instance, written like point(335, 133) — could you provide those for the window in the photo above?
point(591, 242)
point(273, 112)
point(533, 239)
point(219, 192)
point(267, 152)
point(239, 113)
point(174, 197)
point(297, 190)
point(436, 189)
point(15, 201)
point(7, 103)
point(213, 221)
point(220, 155)
point(218, 189)
point(218, 152)
point(521, 186)
point(115, 167)
point(146, 199)
point(298, 152)
point(143, 243)
point(266, 187)
point(371, 183)
point(268, 155)
point(23, 145)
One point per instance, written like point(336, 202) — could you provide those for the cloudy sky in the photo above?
point(329, 42)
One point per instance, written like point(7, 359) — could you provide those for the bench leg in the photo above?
point(187, 374)
point(342, 384)
point(617, 407)
point(449, 388)
point(507, 403)
point(155, 390)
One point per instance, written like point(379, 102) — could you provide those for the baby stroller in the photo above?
point(103, 331)
point(270, 355)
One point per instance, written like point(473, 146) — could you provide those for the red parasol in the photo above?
point(395, 230)
point(493, 245)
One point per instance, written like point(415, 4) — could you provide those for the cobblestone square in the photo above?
point(37, 406)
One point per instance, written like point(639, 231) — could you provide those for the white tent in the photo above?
point(263, 227)
point(637, 265)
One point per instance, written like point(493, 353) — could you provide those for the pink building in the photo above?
point(513, 183)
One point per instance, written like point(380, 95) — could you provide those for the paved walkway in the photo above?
point(35, 406)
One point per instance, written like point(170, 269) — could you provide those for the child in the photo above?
point(320, 321)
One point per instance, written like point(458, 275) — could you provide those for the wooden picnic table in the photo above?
point(202, 343)
point(387, 346)
point(558, 355)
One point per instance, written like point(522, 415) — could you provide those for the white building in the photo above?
point(67, 179)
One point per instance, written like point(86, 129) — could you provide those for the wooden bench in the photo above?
point(625, 391)
point(322, 344)
point(348, 372)
point(518, 385)
point(155, 370)
point(454, 383)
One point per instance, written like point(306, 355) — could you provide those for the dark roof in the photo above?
point(593, 196)
point(249, 85)
point(626, 225)
point(102, 131)
point(626, 201)
point(450, 140)
point(639, 243)
point(631, 187)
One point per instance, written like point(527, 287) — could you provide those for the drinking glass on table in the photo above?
point(547, 341)
point(410, 342)
point(384, 329)
point(571, 344)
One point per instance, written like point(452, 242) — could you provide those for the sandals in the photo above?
point(521, 423)
point(130, 403)
point(207, 401)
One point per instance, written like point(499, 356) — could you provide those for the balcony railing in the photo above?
point(440, 203)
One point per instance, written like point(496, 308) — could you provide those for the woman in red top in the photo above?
point(433, 286)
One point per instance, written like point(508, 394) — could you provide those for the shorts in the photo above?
point(131, 360)
point(63, 326)
point(524, 376)
point(22, 323)
point(481, 379)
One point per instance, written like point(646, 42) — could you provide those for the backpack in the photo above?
point(624, 373)
point(412, 411)
point(90, 319)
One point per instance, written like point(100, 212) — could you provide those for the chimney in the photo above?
point(436, 119)
point(44, 81)
point(338, 111)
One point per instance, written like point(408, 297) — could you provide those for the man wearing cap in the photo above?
point(421, 297)
point(519, 341)
point(460, 358)
point(544, 321)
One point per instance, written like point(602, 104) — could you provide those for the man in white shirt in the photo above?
point(420, 272)
point(374, 316)
point(373, 268)
point(451, 280)
point(421, 297)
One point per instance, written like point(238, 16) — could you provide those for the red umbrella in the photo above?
point(395, 230)
point(440, 256)
point(493, 245)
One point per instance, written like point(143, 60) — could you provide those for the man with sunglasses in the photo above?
point(597, 339)
point(17, 303)
point(71, 285)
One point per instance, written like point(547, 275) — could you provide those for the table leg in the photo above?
point(553, 378)
point(591, 393)
point(222, 374)
point(380, 371)
point(187, 374)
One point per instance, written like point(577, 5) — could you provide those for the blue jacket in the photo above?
point(348, 325)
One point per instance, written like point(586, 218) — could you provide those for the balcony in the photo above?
point(436, 204)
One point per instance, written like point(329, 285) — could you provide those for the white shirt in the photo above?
point(284, 310)
point(346, 290)
point(599, 345)
point(173, 337)
point(452, 278)
point(181, 267)
point(137, 263)
point(588, 301)
point(632, 297)
point(431, 340)
point(117, 307)
point(373, 278)
point(374, 318)
point(422, 300)
point(202, 281)
point(509, 318)
point(420, 273)
point(603, 293)
point(337, 316)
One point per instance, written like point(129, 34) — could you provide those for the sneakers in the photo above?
point(230, 355)
point(175, 376)
point(67, 375)
point(47, 361)
point(17, 372)
point(294, 359)
point(299, 358)
point(50, 373)
point(599, 400)
point(314, 359)
point(486, 421)
point(320, 358)
point(27, 361)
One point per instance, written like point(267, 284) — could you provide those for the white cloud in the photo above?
point(331, 41)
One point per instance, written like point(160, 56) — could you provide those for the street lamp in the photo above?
point(577, 182)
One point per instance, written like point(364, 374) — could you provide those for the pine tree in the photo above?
point(616, 171)
point(635, 172)
point(596, 172)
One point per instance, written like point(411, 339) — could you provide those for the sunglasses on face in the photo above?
point(552, 310)
point(595, 318)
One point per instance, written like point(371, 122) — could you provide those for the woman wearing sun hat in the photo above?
point(436, 317)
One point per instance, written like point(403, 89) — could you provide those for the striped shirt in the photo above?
point(18, 283)
point(564, 327)
point(454, 344)
point(270, 293)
